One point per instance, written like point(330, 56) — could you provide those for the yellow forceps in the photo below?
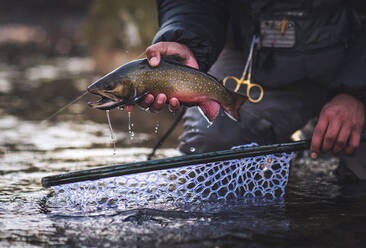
point(246, 77)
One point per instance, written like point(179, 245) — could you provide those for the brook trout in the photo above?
point(131, 82)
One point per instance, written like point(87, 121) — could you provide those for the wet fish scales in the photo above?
point(190, 86)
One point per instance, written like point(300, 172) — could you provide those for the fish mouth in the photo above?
point(109, 100)
point(106, 101)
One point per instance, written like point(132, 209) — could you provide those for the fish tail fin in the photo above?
point(232, 109)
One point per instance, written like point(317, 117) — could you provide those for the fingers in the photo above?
point(347, 139)
point(354, 142)
point(331, 134)
point(339, 128)
point(153, 53)
point(147, 101)
point(152, 103)
point(191, 61)
point(174, 104)
point(158, 103)
point(317, 139)
point(342, 139)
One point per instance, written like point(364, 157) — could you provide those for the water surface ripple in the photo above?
point(318, 210)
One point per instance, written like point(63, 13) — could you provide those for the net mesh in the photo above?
point(261, 176)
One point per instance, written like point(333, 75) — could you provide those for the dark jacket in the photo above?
point(202, 26)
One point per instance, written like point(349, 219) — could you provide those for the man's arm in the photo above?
point(199, 25)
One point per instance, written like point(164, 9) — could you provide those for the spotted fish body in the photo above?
point(132, 81)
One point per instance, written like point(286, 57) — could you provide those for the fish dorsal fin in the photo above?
point(173, 58)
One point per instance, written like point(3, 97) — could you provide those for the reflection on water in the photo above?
point(33, 135)
point(317, 210)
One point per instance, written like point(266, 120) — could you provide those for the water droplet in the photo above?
point(192, 149)
point(130, 125)
point(156, 128)
point(111, 131)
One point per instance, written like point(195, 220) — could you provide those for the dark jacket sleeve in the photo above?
point(352, 78)
point(200, 25)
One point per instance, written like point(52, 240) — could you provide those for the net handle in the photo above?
point(175, 162)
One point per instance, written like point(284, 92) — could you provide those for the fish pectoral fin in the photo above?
point(210, 109)
point(134, 98)
point(139, 97)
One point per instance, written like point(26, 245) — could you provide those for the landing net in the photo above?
point(254, 177)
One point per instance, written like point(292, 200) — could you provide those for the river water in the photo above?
point(318, 209)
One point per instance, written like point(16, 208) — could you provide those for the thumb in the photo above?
point(153, 55)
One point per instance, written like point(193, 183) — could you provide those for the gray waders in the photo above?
point(284, 109)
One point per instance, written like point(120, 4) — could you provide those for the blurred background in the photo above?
point(50, 51)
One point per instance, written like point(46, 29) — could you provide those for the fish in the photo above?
point(129, 83)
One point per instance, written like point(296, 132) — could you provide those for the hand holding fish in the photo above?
point(153, 54)
point(168, 79)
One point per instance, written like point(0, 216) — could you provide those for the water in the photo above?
point(66, 106)
point(130, 126)
point(318, 210)
point(113, 139)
